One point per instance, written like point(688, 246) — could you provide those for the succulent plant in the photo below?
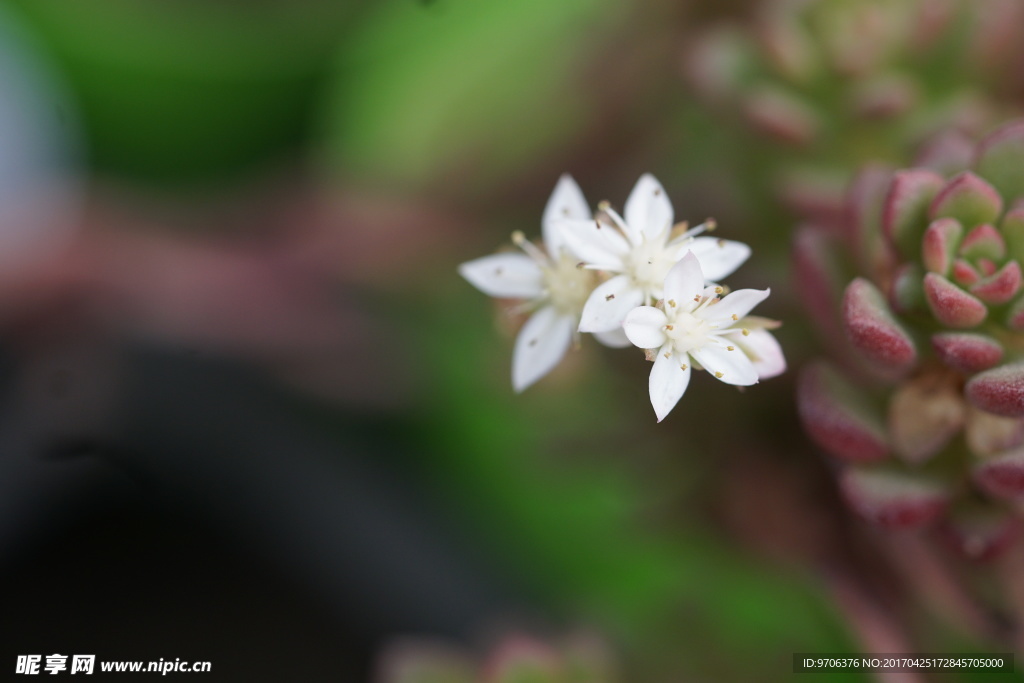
point(922, 403)
point(839, 83)
point(516, 659)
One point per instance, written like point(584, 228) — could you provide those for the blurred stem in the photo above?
point(874, 628)
point(1010, 569)
point(937, 587)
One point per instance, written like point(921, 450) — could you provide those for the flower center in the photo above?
point(687, 332)
point(567, 284)
point(649, 263)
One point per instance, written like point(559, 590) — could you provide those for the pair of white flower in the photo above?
point(655, 295)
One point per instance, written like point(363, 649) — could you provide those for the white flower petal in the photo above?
point(541, 343)
point(506, 275)
point(645, 327)
point(684, 281)
point(668, 380)
point(608, 305)
point(734, 366)
point(615, 339)
point(718, 258)
point(737, 304)
point(566, 202)
point(648, 209)
point(603, 247)
point(764, 352)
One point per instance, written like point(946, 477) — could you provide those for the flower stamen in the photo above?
point(530, 249)
point(619, 222)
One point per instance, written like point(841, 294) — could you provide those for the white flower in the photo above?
point(639, 251)
point(698, 327)
point(552, 283)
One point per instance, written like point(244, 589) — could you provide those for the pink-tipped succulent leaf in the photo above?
point(965, 274)
point(940, 244)
point(838, 419)
point(1001, 286)
point(814, 269)
point(893, 499)
point(999, 391)
point(906, 206)
point(969, 199)
point(873, 331)
point(951, 305)
point(1002, 476)
point(983, 241)
point(967, 352)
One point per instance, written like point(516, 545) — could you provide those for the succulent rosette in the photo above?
point(836, 83)
point(922, 404)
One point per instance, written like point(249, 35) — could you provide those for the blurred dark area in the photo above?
point(140, 535)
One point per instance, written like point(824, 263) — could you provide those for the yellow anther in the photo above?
point(746, 332)
point(735, 317)
point(683, 366)
point(518, 238)
point(718, 375)
point(710, 224)
point(669, 328)
point(730, 348)
point(718, 290)
point(679, 229)
point(667, 354)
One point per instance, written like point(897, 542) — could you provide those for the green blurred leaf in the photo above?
point(423, 89)
point(190, 90)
